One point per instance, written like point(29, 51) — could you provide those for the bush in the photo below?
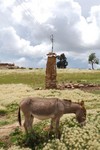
point(76, 138)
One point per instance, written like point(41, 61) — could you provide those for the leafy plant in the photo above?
point(3, 112)
point(12, 107)
point(33, 140)
point(4, 122)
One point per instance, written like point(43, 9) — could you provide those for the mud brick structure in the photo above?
point(50, 79)
point(7, 66)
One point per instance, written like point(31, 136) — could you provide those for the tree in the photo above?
point(62, 63)
point(93, 59)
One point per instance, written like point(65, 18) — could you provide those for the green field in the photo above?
point(36, 77)
point(17, 84)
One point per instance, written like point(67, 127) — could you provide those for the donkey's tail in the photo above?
point(19, 117)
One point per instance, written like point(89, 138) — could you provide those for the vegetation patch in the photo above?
point(12, 107)
point(3, 122)
point(72, 136)
point(8, 114)
point(96, 92)
point(28, 77)
point(16, 85)
point(3, 112)
point(36, 78)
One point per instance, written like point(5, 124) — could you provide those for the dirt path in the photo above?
point(7, 129)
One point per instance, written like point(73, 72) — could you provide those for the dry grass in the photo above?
point(70, 70)
point(10, 93)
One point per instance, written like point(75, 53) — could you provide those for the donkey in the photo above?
point(45, 108)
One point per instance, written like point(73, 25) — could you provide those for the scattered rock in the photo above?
point(75, 85)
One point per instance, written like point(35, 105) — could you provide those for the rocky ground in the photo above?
point(88, 87)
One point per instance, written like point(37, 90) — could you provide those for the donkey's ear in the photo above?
point(82, 103)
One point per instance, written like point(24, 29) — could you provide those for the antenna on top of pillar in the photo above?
point(52, 40)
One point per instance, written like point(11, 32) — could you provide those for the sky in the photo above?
point(26, 27)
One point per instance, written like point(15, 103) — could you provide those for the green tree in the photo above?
point(93, 59)
point(62, 63)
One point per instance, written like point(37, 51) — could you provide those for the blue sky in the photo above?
point(26, 26)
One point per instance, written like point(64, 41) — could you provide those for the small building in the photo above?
point(8, 66)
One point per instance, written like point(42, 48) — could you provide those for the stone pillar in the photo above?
point(50, 82)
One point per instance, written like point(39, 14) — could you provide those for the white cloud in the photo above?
point(19, 46)
point(26, 27)
point(89, 32)
point(21, 62)
point(4, 4)
point(17, 14)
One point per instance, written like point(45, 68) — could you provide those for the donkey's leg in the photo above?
point(31, 122)
point(25, 125)
point(51, 127)
point(28, 123)
point(52, 123)
point(57, 128)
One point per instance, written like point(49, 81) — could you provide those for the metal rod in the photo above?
point(52, 40)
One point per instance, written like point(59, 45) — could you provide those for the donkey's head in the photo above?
point(81, 114)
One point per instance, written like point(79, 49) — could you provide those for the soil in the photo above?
point(7, 129)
